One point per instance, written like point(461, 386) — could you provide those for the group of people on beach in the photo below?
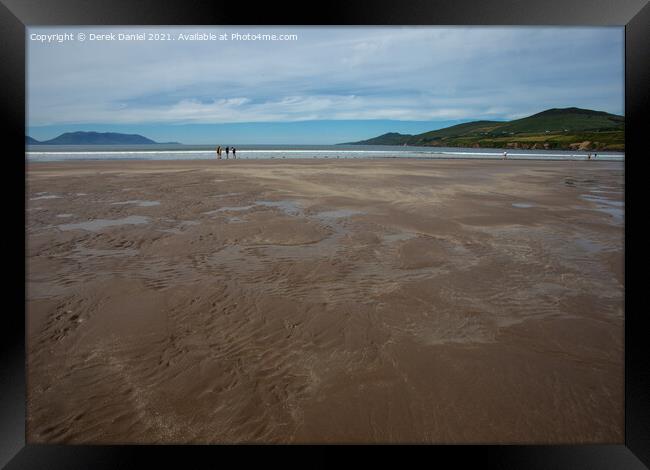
point(228, 150)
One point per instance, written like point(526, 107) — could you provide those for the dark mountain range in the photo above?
point(95, 138)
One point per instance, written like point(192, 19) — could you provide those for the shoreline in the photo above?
point(307, 153)
point(302, 160)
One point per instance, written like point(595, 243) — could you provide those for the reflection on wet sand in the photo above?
point(325, 301)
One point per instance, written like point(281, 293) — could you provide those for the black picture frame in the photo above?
point(16, 15)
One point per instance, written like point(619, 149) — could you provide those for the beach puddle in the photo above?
point(398, 237)
point(287, 206)
point(65, 216)
point(46, 196)
point(616, 213)
point(616, 209)
point(589, 245)
point(331, 220)
point(326, 248)
point(230, 209)
point(602, 200)
point(99, 224)
point(138, 203)
point(179, 228)
point(227, 195)
point(337, 214)
point(523, 205)
point(605, 190)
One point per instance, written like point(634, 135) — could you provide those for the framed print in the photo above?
point(406, 225)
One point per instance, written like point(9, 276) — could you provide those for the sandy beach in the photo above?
point(321, 301)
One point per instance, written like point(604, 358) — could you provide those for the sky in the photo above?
point(327, 85)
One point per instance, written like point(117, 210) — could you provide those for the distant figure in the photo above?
point(505, 155)
point(219, 152)
point(234, 153)
point(594, 156)
point(589, 156)
point(227, 152)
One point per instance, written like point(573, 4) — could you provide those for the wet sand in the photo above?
point(379, 301)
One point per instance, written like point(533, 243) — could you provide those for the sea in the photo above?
point(56, 153)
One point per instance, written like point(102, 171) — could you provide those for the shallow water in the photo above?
point(522, 205)
point(138, 203)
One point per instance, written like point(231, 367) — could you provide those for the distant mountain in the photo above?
point(95, 138)
point(392, 138)
point(567, 128)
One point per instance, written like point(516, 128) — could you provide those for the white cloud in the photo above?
point(329, 73)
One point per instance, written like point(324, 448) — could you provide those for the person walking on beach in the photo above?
point(505, 155)
point(234, 152)
point(218, 152)
point(227, 152)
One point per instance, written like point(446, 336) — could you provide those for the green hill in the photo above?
point(567, 128)
point(559, 120)
point(392, 138)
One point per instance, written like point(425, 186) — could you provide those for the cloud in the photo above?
point(417, 73)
